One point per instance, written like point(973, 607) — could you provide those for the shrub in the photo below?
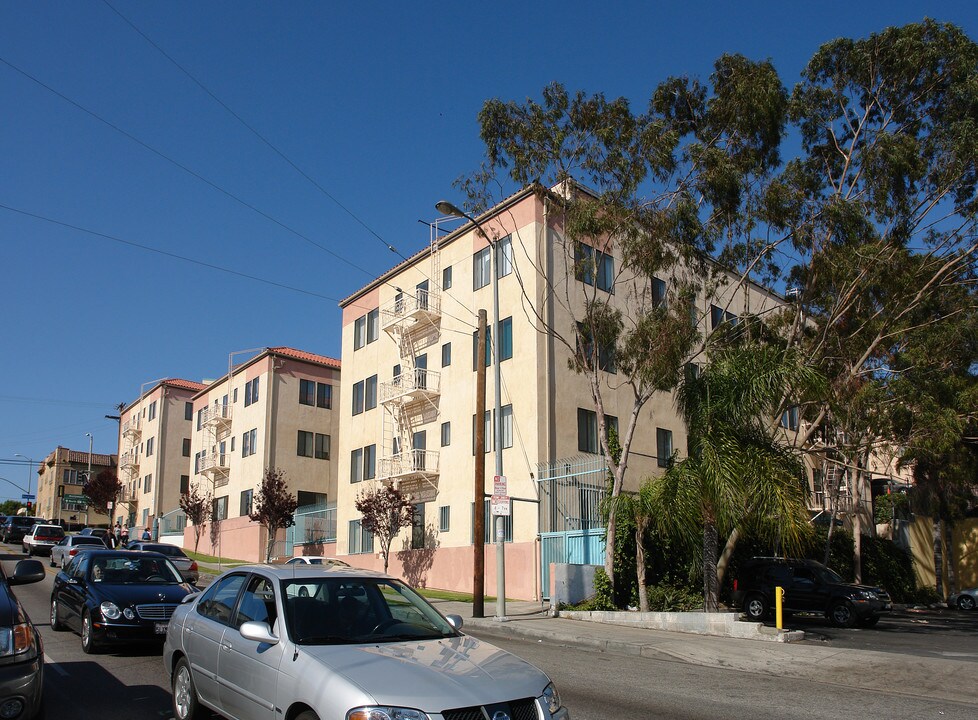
point(603, 594)
point(890, 567)
point(670, 598)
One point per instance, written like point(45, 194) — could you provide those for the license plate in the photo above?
point(160, 628)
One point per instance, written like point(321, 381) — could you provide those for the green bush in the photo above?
point(669, 598)
point(925, 596)
point(603, 594)
point(890, 567)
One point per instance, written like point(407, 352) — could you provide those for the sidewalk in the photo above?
point(937, 678)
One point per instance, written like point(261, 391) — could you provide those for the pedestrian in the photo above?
point(110, 540)
point(146, 534)
point(124, 537)
point(118, 532)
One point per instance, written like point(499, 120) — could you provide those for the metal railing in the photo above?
point(409, 463)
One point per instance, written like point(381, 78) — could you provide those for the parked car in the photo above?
point(116, 596)
point(316, 560)
point(364, 645)
point(21, 649)
point(964, 600)
point(69, 547)
point(17, 526)
point(101, 533)
point(187, 567)
point(808, 586)
point(41, 538)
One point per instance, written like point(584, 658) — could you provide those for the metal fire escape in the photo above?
point(411, 398)
point(129, 459)
point(215, 423)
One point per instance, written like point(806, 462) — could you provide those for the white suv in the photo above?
point(42, 538)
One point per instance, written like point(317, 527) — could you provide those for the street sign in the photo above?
point(499, 485)
point(25, 496)
point(75, 499)
point(500, 505)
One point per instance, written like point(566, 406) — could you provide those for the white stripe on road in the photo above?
point(49, 663)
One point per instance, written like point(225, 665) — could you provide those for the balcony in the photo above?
point(411, 310)
point(127, 494)
point(131, 429)
point(412, 387)
point(129, 462)
point(215, 468)
point(217, 415)
point(410, 465)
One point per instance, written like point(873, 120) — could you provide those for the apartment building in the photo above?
point(154, 456)
point(275, 410)
point(60, 482)
point(408, 415)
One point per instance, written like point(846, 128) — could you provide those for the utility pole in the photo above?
point(479, 490)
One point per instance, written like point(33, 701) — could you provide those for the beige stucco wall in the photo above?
point(964, 538)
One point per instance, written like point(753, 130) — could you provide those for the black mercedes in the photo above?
point(117, 596)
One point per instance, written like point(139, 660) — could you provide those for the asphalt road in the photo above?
point(130, 682)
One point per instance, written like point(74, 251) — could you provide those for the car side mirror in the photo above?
point(257, 631)
point(26, 572)
point(455, 621)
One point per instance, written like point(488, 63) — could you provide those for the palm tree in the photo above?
point(740, 471)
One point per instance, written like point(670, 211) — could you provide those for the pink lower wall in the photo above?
point(239, 539)
point(451, 568)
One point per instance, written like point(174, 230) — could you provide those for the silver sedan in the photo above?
point(964, 600)
point(69, 546)
point(362, 646)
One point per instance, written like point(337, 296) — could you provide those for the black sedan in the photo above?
point(21, 651)
point(117, 596)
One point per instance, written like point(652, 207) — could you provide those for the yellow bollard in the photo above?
point(778, 601)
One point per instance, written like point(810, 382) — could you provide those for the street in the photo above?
point(594, 685)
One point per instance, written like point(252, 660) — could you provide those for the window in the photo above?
point(186, 447)
point(658, 292)
point(150, 445)
point(200, 418)
point(370, 392)
point(446, 278)
point(152, 410)
point(232, 443)
point(304, 444)
point(70, 476)
point(324, 395)
point(719, 316)
point(446, 434)
point(587, 430)
point(249, 442)
point(444, 518)
point(361, 541)
point(490, 532)
point(235, 395)
point(322, 446)
point(218, 601)
point(481, 269)
point(251, 392)
point(184, 484)
point(188, 411)
point(257, 603)
point(506, 339)
point(421, 295)
point(219, 508)
point(487, 432)
point(692, 371)
point(446, 354)
point(148, 483)
point(475, 348)
point(373, 325)
point(370, 462)
point(506, 425)
point(504, 256)
point(663, 447)
point(359, 332)
point(593, 267)
point(417, 527)
point(247, 497)
point(789, 419)
point(307, 392)
point(358, 398)
point(585, 347)
point(356, 465)
point(197, 457)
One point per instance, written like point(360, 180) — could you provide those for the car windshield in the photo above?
point(50, 531)
point(329, 611)
point(123, 570)
point(827, 575)
point(169, 550)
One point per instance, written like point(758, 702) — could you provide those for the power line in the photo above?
point(166, 253)
point(253, 131)
point(183, 167)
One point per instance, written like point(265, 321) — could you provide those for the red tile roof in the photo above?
point(307, 356)
point(66, 455)
point(184, 384)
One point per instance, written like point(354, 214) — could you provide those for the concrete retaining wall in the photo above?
point(719, 624)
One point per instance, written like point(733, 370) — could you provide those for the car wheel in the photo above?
point(307, 715)
point(842, 615)
point(89, 645)
point(29, 551)
point(51, 562)
point(186, 706)
point(56, 623)
point(868, 622)
point(755, 607)
point(966, 602)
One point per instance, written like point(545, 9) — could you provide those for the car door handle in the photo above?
point(226, 646)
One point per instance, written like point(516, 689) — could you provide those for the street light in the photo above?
point(447, 208)
point(30, 471)
point(88, 478)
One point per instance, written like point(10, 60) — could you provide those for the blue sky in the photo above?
point(375, 101)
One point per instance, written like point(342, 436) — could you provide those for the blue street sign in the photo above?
point(25, 496)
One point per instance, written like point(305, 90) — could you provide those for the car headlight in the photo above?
point(110, 610)
point(385, 713)
point(16, 640)
point(867, 595)
point(552, 697)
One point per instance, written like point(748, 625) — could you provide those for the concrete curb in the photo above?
point(726, 624)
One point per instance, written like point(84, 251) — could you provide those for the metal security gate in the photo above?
point(313, 524)
point(570, 493)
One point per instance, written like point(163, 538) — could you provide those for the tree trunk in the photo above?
point(711, 585)
point(643, 592)
point(952, 578)
point(857, 525)
point(270, 545)
point(728, 551)
point(939, 558)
